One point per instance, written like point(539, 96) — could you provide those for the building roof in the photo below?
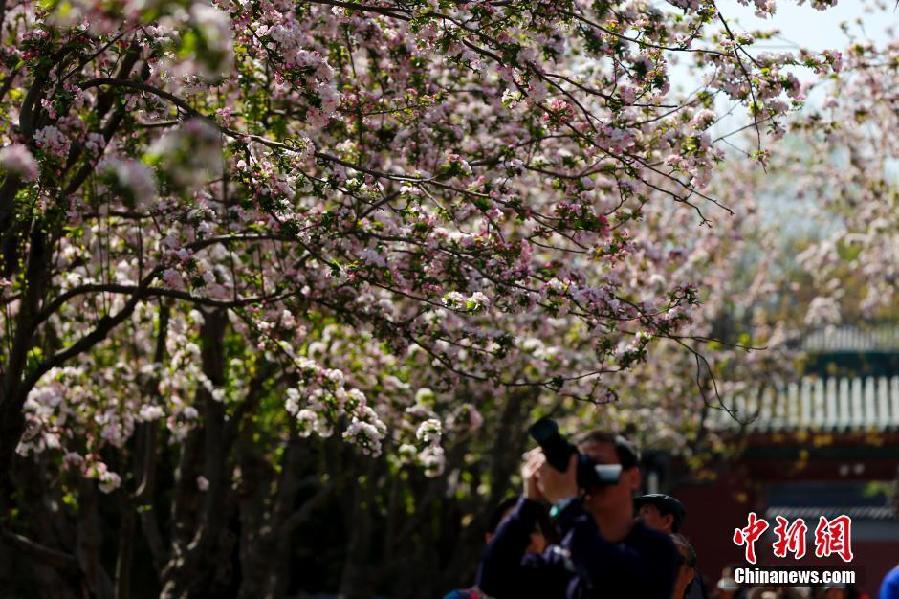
point(811, 514)
point(846, 339)
point(857, 405)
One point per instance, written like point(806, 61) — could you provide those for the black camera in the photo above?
point(558, 451)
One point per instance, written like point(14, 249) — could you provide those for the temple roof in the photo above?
point(844, 339)
point(869, 404)
point(811, 514)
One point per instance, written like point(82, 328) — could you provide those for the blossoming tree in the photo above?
point(226, 227)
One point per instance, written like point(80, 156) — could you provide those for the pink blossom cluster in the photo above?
point(18, 160)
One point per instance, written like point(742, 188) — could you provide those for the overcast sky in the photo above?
point(803, 26)
point(798, 26)
point(814, 29)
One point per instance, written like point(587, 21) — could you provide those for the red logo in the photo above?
point(790, 538)
point(831, 537)
point(749, 535)
point(834, 537)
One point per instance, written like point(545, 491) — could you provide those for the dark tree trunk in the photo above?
point(45, 554)
point(37, 257)
point(355, 581)
point(200, 564)
point(90, 539)
point(12, 391)
point(257, 478)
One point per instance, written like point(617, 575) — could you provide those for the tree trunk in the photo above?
point(90, 540)
point(257, 477)
point(355, 579)
point(200, 566)
point(38, 258)
point(12, 391)
point(267, 543)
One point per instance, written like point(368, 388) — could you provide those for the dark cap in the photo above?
point(667, 505)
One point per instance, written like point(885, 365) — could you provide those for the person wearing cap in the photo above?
point(661, 512)
point(666, 514)
point(604, 551)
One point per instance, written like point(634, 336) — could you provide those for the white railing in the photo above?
point(814, 404)
point(852, 339)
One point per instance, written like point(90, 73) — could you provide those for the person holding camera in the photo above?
point(604, 551)
point(543, 534)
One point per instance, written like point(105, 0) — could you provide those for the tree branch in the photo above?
point(103, 328)
point(362, 8)
point(142, 292)
point(52, 557)
point(304, 512)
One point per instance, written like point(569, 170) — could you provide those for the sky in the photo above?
point(798, 26)
point(816, 30)
point(803, 26)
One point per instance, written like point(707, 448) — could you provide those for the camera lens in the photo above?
point(544, 430)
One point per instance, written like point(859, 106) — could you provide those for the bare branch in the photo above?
point(52, 557)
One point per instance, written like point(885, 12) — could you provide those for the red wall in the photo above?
point(714, 510)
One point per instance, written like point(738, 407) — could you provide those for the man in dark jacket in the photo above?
point(543, 534)
point(604, 552)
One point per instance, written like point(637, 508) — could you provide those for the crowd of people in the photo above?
point(564, 539)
